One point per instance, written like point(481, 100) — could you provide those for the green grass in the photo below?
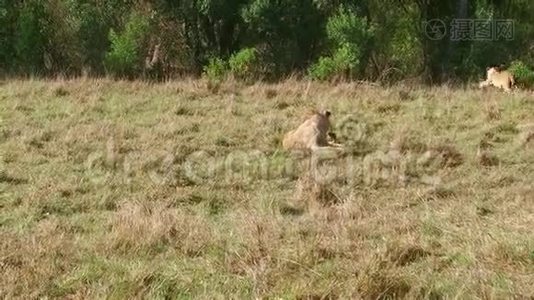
point(129, 189)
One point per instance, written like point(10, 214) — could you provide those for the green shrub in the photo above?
point(346, 27)
point(347, 57)
point(323, 69)
point(243, 64)
point(341, 64)
point(216, 69)
point(402, 49)
point(349, 34)
point(125, 57)
point(522, 73)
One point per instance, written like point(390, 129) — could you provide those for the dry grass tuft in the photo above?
point(270, 93)
point(310, 193)
point(408, 255)
point(317, 297)
point(404, 95)
point(405, 141)
point(493, 112)
point(447, 155)
point(486, 158)
point(61, 92)
point(30, 263)
point(381, 281)
point(153, 227)
point(526, 135)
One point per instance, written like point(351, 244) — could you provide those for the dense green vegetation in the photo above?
point(383, 40)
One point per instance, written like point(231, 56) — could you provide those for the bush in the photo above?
point(216, 70)
point(346, 27)
point(401, 50)
point(341, 64)
point(324, 69)
point(243, 64)
point(522, 73)
point(125, 57)
point(349, 34)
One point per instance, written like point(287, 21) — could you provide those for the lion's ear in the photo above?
point(487, 68)
point(327, 113)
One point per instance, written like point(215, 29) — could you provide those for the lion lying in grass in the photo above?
point(312, 134)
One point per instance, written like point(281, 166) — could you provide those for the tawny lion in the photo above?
point(498, 78)
point(311, 134)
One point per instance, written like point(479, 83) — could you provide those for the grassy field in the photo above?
point(181, 190)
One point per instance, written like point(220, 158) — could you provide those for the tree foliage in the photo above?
point(124, 57)
point(263, 39)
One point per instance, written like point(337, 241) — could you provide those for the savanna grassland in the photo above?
point(180, 190)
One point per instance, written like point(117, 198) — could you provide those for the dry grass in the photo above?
point(180, 190)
